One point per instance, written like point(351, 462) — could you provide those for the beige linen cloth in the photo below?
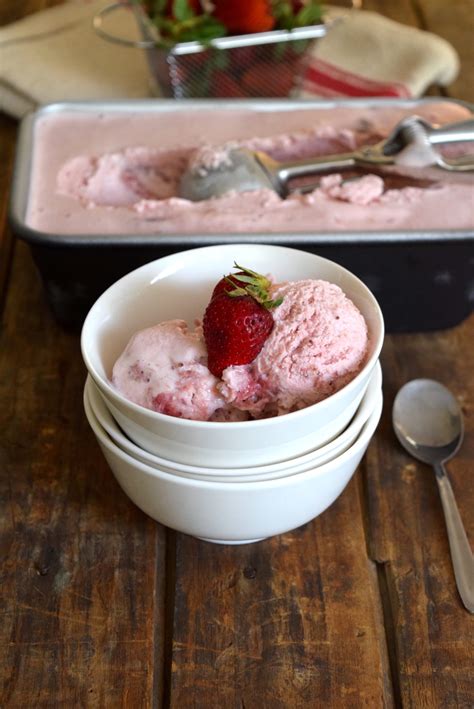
point(55, 55)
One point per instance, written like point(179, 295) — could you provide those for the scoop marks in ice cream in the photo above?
point(317, 343)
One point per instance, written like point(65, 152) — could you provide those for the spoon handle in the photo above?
point(461, 554)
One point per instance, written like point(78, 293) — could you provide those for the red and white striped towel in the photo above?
point(324, 79)
point(366, 54)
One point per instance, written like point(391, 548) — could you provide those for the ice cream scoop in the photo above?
point(242, 170)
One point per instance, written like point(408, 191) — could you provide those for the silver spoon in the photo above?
point(245, 170)
point(428, 423)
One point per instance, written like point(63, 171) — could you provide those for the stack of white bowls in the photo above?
point(226, 482)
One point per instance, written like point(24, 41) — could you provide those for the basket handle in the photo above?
point(98, 25)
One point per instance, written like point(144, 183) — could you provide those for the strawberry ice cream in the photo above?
point(319, 342)
point(105, 173)
point(164, 369)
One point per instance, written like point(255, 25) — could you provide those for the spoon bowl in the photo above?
point(428, 421)
point(241, 170)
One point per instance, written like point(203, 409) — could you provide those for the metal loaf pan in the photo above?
point(423, 280)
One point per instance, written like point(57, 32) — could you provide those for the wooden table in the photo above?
point(102, 607)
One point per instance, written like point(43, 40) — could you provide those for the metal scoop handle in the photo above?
point(383, 153)
point(454, 133)
point(279, 174)
point(460, 132)
point(299, 168)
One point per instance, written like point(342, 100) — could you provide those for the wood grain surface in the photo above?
point(102, 607)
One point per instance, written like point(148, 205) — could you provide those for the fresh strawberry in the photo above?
point(268, 79)
point(235, 330)
point(237, 320)
point(245, 16)
point(225, 86)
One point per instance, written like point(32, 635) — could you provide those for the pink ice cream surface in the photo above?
point(163, 368)
point(319, 342)
point(107, 173)
point(122, 178)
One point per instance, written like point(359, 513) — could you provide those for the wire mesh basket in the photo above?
point(261, 65)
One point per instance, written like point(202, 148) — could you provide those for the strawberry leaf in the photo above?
point(310, 14)
point(256, 285)
point(182, 11)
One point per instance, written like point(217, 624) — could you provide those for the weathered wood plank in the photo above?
point(433, 634)
point(287, 622)
point(455, 23)
point(82, 590)
point(403, 11)
point(8, 129)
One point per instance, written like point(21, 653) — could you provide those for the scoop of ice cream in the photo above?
point(163, 368)
point(319, 343)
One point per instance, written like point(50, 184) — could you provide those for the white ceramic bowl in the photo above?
point(299, 464)
point(233, 513)
point(179, 286)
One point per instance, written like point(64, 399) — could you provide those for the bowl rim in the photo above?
point(119, 399)
point(93, 395)
point(363, 439)
point(239, 478)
